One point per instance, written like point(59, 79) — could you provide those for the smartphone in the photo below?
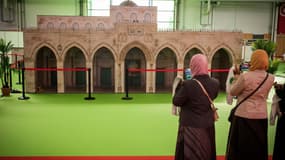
point(244, 66)
point(188, 74)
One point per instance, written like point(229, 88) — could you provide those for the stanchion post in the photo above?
point(89, 86)
point(23, 86)
point(127, 85)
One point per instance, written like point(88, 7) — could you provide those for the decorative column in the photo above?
point(30, 76)
point(119, 79)
point(149, 79)
point(89, 65)
point(180, 65)
point(60, 77)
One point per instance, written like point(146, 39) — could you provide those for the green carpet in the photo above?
point(66, 124)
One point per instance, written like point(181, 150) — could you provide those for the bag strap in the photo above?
point(251, 92)
point(206, 93)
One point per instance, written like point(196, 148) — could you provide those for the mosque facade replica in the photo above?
point(128, 38)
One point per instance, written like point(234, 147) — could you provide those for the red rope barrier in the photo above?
point(56, 69)
point(153, 70)
point(218, 70)
point(130, 69)
point(170, 70)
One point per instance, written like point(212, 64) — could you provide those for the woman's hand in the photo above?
point(236, 70)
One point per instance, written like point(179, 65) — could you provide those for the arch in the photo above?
point(75, 26)
point(147, 18)
point(170, 46)
point(166, 59)
point(71, 45)
point(50, 26)
point(133, 18)
point(221, 59)
point(62, 26)
point(75, 81)
point(88, 26)
point(103, 70)
point(139, 45)
point(100, 27)
point(198, 46)
point(119, 17)
point(101, 45)
point(46, 81)
point(135, 58)
point(222, 46)
point(38, 47)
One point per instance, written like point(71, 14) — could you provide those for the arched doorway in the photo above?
point(74, 81)
point(188, 57)
point(135, 59)
point(103, 70)
point(221, 60)
point(166, 59)
point(46, 81)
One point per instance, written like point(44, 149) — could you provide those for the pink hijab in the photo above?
point(199, 64)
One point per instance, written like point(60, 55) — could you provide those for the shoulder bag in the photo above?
point(216, 115)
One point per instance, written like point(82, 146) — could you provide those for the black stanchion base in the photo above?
point(15, 91)
point(89, 98)
point(23, 98)
point(127, 98)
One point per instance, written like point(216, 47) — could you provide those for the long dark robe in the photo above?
point(195, 143)
point(247, 139)
point(279, 145)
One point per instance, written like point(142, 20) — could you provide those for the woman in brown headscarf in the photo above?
point(248, 131)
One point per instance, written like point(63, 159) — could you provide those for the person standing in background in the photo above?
point(279, 145)
point(247, 138)
point(196, 131)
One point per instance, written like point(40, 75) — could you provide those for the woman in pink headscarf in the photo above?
point(196, 133)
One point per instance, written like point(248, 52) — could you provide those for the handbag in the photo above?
point(230, 118)
point(216, 115)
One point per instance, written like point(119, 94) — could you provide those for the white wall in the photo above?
point(41, 7)
point(15, 37)
point(49, 7)
point(248, 17)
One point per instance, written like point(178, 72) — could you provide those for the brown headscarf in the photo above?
point(259, 60)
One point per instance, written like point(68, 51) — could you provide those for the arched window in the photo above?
point(50, 26)
point(100, 27)
point(75, 26)
point(119, 18)
point(147, 18)
point(88, 26)
point(133, 18)
point(62, 26)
